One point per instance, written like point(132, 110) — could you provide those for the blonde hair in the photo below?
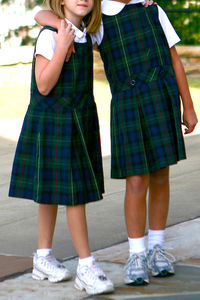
point(92, 21)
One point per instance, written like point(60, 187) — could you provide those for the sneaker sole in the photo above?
point(81, 286)
point(137, 282)
point(163, 273)
point(38, 275)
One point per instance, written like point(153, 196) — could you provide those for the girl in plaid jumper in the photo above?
point(146, 77)
point(58, 160)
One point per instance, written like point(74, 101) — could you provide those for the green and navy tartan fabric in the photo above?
point(145, 108)
point(58, 156)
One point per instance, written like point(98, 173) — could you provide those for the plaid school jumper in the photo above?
point(145, 108)
point(58, 156)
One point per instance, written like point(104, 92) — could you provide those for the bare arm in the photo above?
point(47, 72)
point(46, 17)
point(189, 115)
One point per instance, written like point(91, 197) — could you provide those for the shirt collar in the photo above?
point(112, 8)
point(80, 36)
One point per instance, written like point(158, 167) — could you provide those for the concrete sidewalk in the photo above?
point(182, 240)
point(18, 237)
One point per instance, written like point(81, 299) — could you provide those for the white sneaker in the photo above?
point(93, 280)
point(160, 262)
point(49, 268)
point(136, 270)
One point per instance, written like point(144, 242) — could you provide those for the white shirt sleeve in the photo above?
point(98, 37)
point(46, 44)
point(169, 31)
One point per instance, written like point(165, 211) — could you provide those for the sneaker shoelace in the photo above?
point(88, 274)
point(98, 271)
point(160, 254)
point(136, 261)
point(52, 263)
point(93, 272)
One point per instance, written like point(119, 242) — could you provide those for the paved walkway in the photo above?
point(184, 285)
point(18, 237)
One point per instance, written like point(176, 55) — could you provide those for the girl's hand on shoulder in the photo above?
point(65, 36)
point(149, 2)
point(189, 120)
point(70, 51)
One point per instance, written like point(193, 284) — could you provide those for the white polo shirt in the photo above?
point(46, 44)
point(112, 8)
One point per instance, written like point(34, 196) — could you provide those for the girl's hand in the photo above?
point(149, 2)
point(64, 37)
point(189, 120)
point(70, 51)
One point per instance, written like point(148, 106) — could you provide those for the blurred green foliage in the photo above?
point(29, 3)
point(185, 17)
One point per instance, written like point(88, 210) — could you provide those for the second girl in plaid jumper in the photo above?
point(146, 77)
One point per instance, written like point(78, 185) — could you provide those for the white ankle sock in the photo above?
point(137, 245)
point(155, 237)
point(87, 261)
point(44, 252)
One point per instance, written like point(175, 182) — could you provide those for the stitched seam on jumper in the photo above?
point(161, 60)
point(153, 74)
point(56, 188)
point(138, 29)
point(38, 167)
point(83, 141)
point(25, 149)
point(162, 121)
point(123, 46)
point(72, 187)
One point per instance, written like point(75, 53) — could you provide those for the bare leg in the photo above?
point(159, 199)
point(46, 224)
point(77, 223)
point(135, 204)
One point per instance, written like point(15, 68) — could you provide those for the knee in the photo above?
point(137, 183)
point(160, 177)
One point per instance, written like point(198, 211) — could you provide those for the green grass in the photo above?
point(194, 82)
